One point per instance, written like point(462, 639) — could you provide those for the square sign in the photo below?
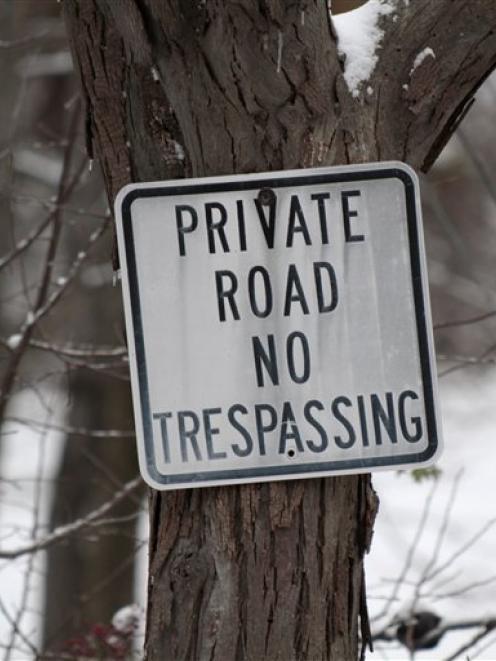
point(278, 325)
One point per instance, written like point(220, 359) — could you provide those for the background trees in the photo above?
point(62, 335)
point(138, 134)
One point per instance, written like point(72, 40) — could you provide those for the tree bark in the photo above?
point(271, 571)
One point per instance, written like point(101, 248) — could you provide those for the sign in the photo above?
point(278, 325)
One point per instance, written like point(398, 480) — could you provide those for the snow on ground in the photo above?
point(469, 420)
point(359, 38)
point(29, 462)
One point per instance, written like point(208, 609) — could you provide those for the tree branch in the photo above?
point(72, 528)
point(424, 103)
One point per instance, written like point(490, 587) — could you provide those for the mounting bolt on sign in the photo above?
point(278, 325)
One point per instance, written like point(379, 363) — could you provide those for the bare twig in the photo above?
point(22, 41)
point(479, 165)
point(15, 628)
point(41, 297)
point(476, 654)
point(52, 205)
point(100, 586)
point(465, 322)
point(478, 360)
point(51, 300)
point(21, 608)
point(389, 634)
point(463, 590)
point(73, 431)
point(27, 241)
point(465, 360)
point(106, 471)
point(72, 528)
point(461, 550)
point(83, 352)
point(488, 626)
point(429, 570)
point(398, 582)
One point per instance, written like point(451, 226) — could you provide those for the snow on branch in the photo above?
point(70, 430)
point(424, 54)
point(359, 38)
point(62, 532)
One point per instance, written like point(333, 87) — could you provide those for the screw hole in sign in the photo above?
point(291, 453)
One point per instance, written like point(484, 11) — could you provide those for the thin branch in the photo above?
point(16, 629)
point(22, 41)
point(446, 580)
point(463, 590)
point(465, 322)
point(479, 359)
point(489, 626)
point(409, 557)
point(389, 634)
point(72, 528)
point(19, 342)
point(73, 431)
point(465, 360)
point(51, 300)
point(106, 471)
point(41, 297)
point(53, 205)
point(479, 165)
point(482, 648)
point(98, 588)
point(21, 609)
point(82, 352)
point(428, 572)
point(27, 241)
point(462, 549)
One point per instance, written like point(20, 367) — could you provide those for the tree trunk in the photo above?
point(271, 571)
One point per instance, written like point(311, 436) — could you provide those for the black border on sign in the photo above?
point(264, 472)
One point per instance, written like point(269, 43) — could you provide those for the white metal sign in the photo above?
point(278, 325)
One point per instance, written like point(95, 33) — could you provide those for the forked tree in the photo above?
point(179, 88)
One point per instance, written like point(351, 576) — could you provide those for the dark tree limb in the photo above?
point(423, 104)
point(411, 634)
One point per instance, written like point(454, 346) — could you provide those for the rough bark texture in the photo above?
point(270, 571)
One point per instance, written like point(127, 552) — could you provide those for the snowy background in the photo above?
point(455, 545)
point(469, 421)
